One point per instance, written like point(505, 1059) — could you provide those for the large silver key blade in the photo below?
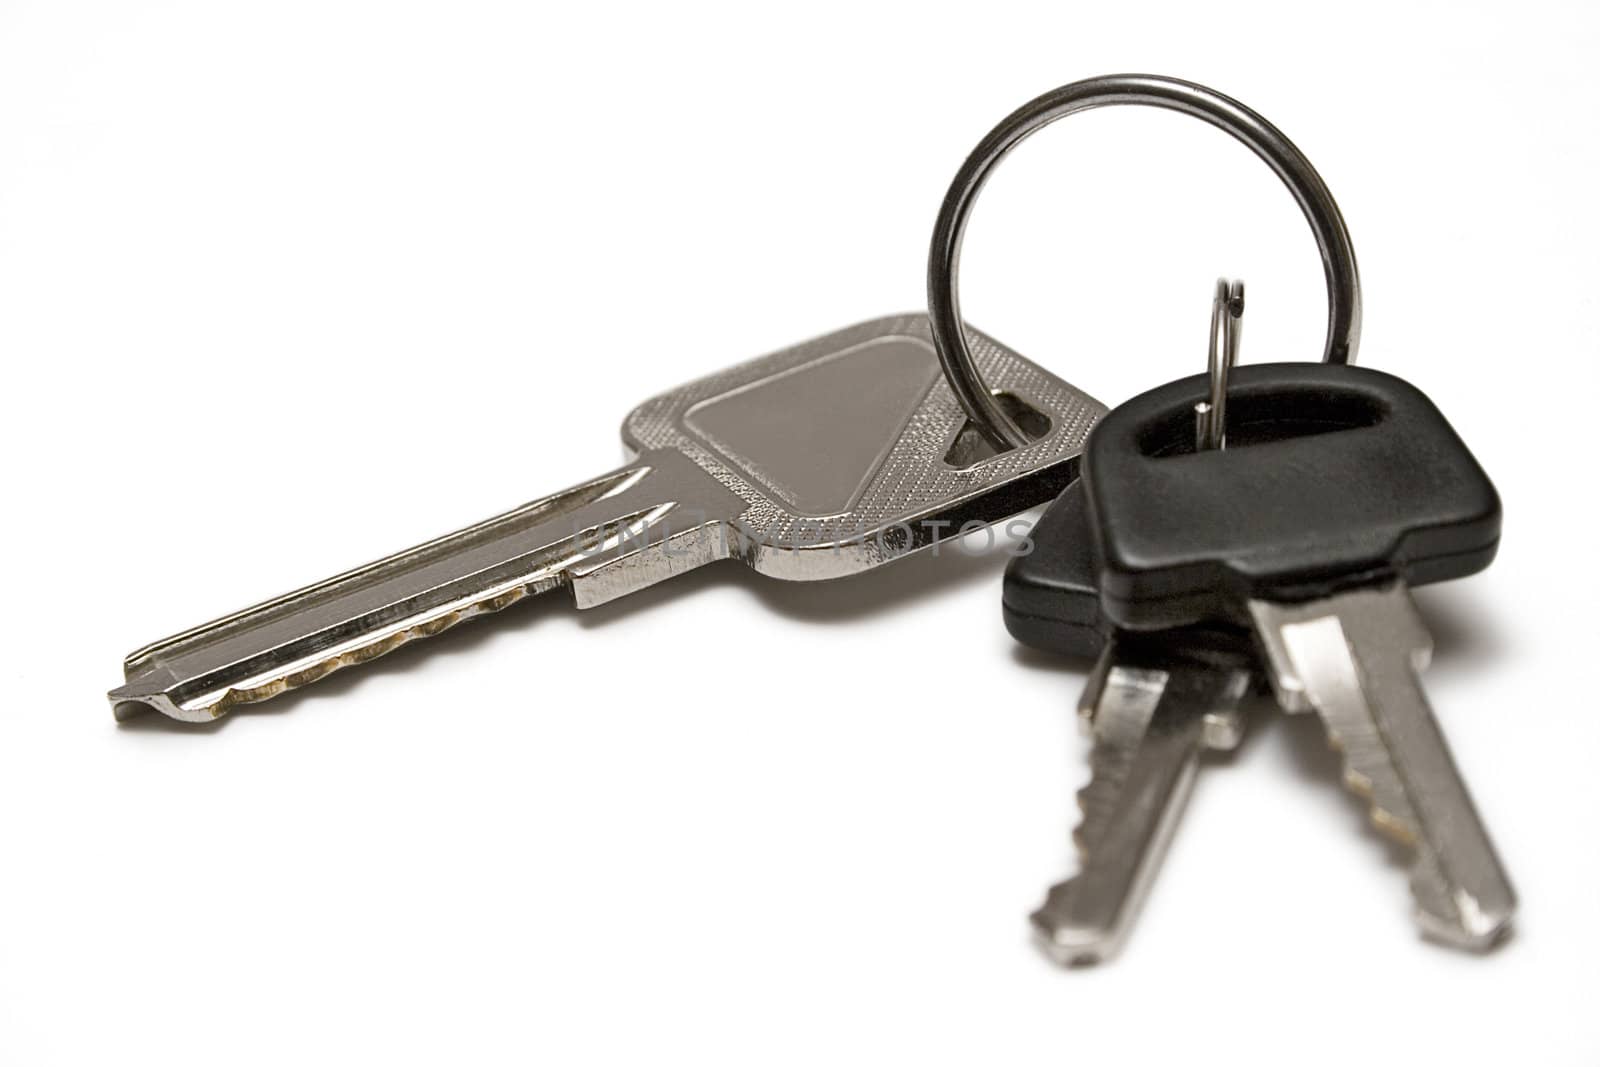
point(1152, 712)
point(1355, 658)
point(816, 462)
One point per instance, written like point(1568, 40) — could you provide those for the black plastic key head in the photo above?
point(1333, 477)
point(1052, 596)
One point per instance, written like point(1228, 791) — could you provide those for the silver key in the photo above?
point(816, 462)
point(1153, 709)
point(1355, 658)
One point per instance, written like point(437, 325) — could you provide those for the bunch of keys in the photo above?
point(1190, 612)
point(1243, 531)
point(1190, 569)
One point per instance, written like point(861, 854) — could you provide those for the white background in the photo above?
point(287, 286)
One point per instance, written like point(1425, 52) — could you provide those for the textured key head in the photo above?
point(851, 449)
point(1333, 476)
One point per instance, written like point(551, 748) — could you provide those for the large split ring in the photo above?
point(1259, 135)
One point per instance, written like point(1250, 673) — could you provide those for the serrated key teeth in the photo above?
point(1066, 938)
point(1385, 822)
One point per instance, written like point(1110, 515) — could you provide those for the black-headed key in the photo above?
point(1153, 705)
point(1339, 488)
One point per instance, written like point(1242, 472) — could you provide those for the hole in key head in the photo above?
point(971, 447)
point(1256, 418)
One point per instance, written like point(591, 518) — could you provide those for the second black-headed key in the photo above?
point(1153, 705)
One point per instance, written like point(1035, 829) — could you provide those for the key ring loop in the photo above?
point(1227, 114)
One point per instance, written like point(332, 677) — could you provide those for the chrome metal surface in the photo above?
point(1255, 132)
point(1227, 314)
point(819, 461)
point(1355, 658)
point(1151, 715)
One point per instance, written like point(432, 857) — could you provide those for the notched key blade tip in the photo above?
point(1472, 928)
point(135, 699)
point(1068, 942)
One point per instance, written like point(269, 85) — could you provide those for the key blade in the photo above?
point(623, 518)
point(1151, 717)
point(1355, 659)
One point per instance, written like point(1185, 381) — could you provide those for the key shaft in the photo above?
point(1355, 658)
point(1151, 717)
point(602, 538)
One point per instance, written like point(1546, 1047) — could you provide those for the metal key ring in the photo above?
point(1255, 132)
